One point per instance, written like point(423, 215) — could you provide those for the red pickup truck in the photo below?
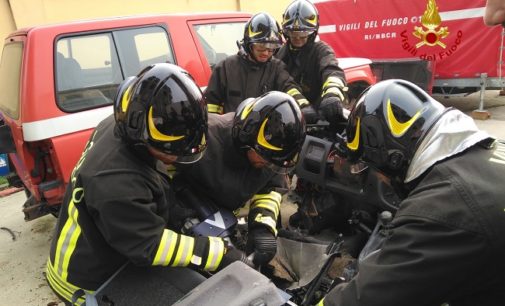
point(59, 81)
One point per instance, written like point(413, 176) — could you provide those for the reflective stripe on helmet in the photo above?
point(252, 33)
point(354, 144)
point(263, 141)
point(247, 109)
point(126, 98)
point(155, 133)
point(399, 128)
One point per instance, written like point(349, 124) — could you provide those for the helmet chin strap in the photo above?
point(293, 48)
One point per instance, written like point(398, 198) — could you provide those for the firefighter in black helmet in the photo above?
point(312, 64)
point(117, 205)
point(446, 242)
point(249, 154)
point(253, 71)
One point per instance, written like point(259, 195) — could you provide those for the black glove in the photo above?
point(310, 114)
point(233, 254)
point(331, 109)
point(263, 243)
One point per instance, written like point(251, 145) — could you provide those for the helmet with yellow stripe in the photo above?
point(273, 126)
point(162, 107)
point(300, 19)
point(388, 123)
point(262, 29)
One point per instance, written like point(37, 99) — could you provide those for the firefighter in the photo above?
point(495, 13)
point(312, 64)
point(253, 71)
point(446, 242)
point(117, 204)
point(249, 153)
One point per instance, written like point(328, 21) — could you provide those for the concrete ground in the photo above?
point(25, 245)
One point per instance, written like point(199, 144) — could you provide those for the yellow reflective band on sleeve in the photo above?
point(62, 287)
point(321, 302)
point(216, 251)
point(274, 195)
point(270, 206)
point(270, 202)
point(293, 91)
point(302, 102)
point(166, 248)
point(184, 251)
point(333, 81)
point(298, 96)
point(214, 108)
point(268, 221)
point(334, 90)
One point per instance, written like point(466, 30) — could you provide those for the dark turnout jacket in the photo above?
point(115, 210)
point(447, 242)
point(310, 67)
point(237, 78)
point(224, 174)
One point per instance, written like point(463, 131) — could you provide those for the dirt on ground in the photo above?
point(23, 254)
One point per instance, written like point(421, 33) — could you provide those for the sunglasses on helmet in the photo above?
point(298, 34)
point(270, 47)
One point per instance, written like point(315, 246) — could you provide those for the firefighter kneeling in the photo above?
point(117, 205)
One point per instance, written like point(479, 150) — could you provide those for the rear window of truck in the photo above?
point(10, 70)
point(89, 68)
point(219, 40)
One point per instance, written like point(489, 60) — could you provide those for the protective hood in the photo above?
point(453, 133)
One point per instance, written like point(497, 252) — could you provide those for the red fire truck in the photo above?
point(449, 36)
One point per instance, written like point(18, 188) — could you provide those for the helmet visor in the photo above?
point(278, 169)
point(189, 159)
point(271, 47)
point(285, 168)
point(170, 158)
point(298, 34)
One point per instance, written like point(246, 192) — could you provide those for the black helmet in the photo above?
point(300, 16)
point(163, 107)
point(262, 29)
point(273, 126)
point(388, 123)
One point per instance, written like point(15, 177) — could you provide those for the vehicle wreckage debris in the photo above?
point(10, 232)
